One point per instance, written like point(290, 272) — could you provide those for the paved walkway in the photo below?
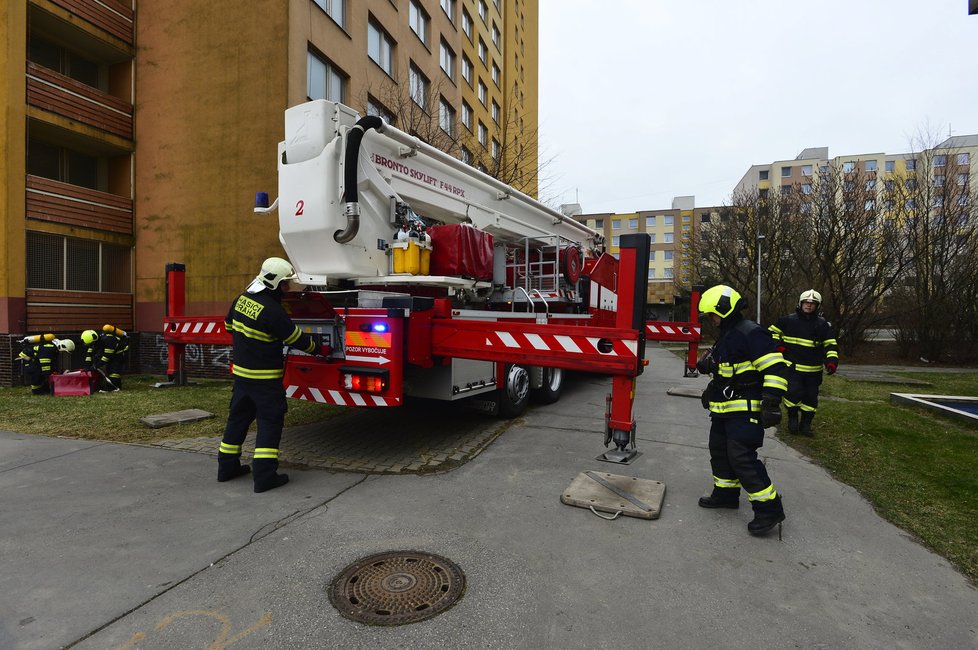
point(123, 546)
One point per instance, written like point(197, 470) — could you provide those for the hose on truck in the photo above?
point(351, 155)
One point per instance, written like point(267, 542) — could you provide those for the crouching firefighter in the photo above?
point(259, 327)
point(744, 397)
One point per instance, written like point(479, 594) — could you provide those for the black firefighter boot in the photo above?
point(266, 477)
point(722, 498)
point(767, 515)
point(229, 466)
point(792, 420)
point(806, 424)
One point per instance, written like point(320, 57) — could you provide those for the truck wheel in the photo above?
point(553, 385)
point(515, 393)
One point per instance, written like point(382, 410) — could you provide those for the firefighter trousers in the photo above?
point(803, 390)
point(261, 400)
point(733, 455)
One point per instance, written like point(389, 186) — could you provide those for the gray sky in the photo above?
point(644, 100)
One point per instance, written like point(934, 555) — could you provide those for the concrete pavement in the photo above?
point(117, 546)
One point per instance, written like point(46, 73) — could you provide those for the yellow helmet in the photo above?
point(810, 296)
point(274, 271)
point(89, 336)
point(720, 300)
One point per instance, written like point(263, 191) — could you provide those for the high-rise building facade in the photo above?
point(137, 133)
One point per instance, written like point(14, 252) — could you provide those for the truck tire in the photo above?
point(515, 393)
point(553, 386)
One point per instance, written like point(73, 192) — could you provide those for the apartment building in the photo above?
point(673, 234)
point(137, 133)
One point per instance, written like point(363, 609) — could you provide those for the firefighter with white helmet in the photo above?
point(39, 356)
point(808, 343)
point(259, 326)
point(743, 398)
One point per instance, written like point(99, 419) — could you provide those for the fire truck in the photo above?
point(430, 279)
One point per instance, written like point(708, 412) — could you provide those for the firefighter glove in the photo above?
point(770, 410)
point(705, 364)
point(831, 367)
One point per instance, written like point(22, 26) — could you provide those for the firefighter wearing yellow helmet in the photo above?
point(259, 326)
point(39, 358)
point(808, 343)
point(105, 355)
point(743, 397)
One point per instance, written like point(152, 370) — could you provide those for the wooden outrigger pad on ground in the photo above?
point(625, 495)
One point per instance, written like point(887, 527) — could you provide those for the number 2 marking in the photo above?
point(300, 205)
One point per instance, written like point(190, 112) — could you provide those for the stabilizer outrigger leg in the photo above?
point(620, 432)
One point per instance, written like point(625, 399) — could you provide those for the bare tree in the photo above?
point(939, 219)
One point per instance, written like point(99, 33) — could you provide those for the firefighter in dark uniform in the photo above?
point(744, 397)
point(259, 327)
point(808, 343)
point(39, 357)
point(105, 354)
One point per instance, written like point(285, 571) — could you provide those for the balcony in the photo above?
point(57, 202)
point(109, 15)
point(54, 92)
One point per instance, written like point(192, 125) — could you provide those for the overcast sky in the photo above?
point(645, 100)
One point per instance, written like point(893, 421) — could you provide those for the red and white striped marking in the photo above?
point(198, 327)
point(664, 332)
point(573, 344)
point(339, 397)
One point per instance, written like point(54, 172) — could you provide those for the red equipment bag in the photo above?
point(461, 250)
point(80, 382)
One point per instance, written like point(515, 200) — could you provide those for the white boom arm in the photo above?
point(319, 226)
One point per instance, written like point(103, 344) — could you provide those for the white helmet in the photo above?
point(65, 345)
point(810, 296)
point(273, 271)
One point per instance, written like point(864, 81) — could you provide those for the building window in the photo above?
point(786, 190)
point(446, 117)
point(335, 9)
point(418, 86)
point(763, 174)
point(483, 11)
point(785, 172)
point(448, 6)
point(651, 237)
point(418, 20)
point(939, 180)
point(66, 62)
point(848, 167)
point(447, 60)
point(668, 220)
point(651, 256)
point(496, 36)
point(685, 218)
point(964, 158)
point(616, 224)
point(483, 93)
point(70, 264)
point(65, 165)
point(940, 160)
point(806, 188)
point(806, 208)
point(376, 108)
point(496, 149)
point(870, 165)
point(466, 156)
point(467, 115)
point(650, 222)
point(496, 112)
point(467, 69)
point(889, 165)
point(324, 80)
point(911, 164)
point(483, 134)
point(496, 75)
point(667, 255)
point(806, 170)
point(380, 47)
point(667, 273)
point(962, 180)
point(633, 224)
point(616, 240)
point(467, 24)
point(667, 239)
point(651, 274)
point(483, 52)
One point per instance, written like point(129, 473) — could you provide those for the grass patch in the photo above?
point(116, 416)
point(917, 468)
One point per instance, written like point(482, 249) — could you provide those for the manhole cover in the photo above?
point(397, 587)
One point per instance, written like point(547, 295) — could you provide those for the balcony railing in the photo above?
point(109, 15)
point(57, 202)
point(64, 96)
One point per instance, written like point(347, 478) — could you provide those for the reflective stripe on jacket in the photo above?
point(259, 327)
point(809, 341)
point(748, 364)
